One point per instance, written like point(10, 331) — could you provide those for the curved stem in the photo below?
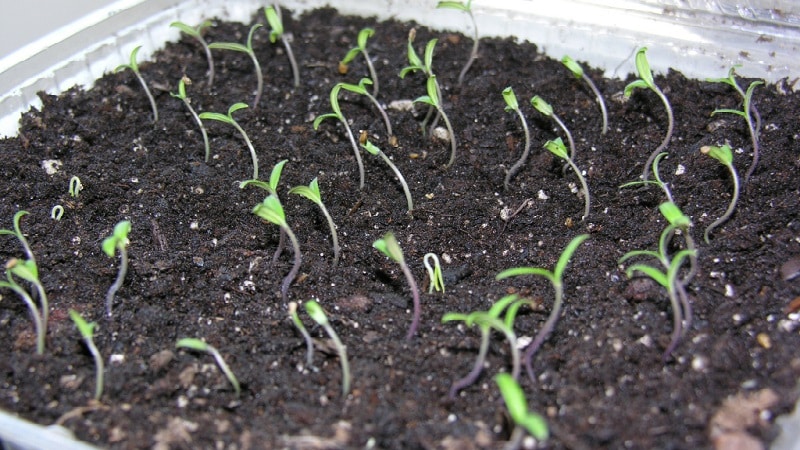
point(149, 96)
point(372, 73)
point(667, 137)
point(754, 140)
point(412, 330)
point(292, 61)
point(260, 79)
point(731, 205)
point(600, 101)
point(356, 151)
point(298, 260)
point(677, 322)
point(37, 320)
point(473, 54)
point(210, 62)
point(515, 441)
point(382, 112)
point(569, 135)
point(549, 325)
point(252, 149)
point(281, 246)
point(334, 236)
point(98, 368)
point(518, 165)
point(477, 368)
point(587, 199)
point(401, 178)
point(452, 138)
point(123, 270)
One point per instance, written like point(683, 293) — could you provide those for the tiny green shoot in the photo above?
point(433, 100)
point(556, 278)
point(318, 315)
point(578, 72)
point(201, 346)
point(197, 33)
point(388, 246)
point(374, 150)
point(40, 327)
point(57, 212)
point(312, 193)
point(752, 126)
point(273, 15)
point(306, 336)
point(247, 49)
point(361, 48)
point(473, 55)
point(117, 242)
point(513, 105)
point(272, 211)
point(86, 329)
point(337, 114)
point(557, 148)
point(646, 81)
point(517, 407)
point(547, 110)
point(75, 186)
point(230, 121)
point(434, 273)
point(362, 90)
point(134, 67)
point(725, 157)
point(186, 101)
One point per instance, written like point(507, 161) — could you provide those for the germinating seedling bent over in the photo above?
point(725, 156)
point(435, 277)
point(388, 246)
point(230, 121)
point(556, 278)
point(361, 47)
point(117, 242)
point(312, 193)
point(200, 346)
point(373, 150)
point(273, 15)
point(318, 314)
point(646, 81)
point(134, 66)
point(547, 110)
point(513, 105)
point(75, 186)
point(86, 329)
point(578, 72)
point(557, 148)
point(271, 210)
point(247, 49)
point(197, 33)
point(182, 96)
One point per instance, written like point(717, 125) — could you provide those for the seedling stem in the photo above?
point(134, 67)
point(86, 329)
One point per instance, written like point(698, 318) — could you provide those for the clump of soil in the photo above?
point(201, 261)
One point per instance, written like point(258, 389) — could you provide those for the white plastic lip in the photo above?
point(604, 33)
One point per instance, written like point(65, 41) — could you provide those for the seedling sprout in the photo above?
point(517, 407)
point(312, 193)
point(318, 315)
point(361, 47)
point(248, 49)
point(547, 110)
point(578, 72)
point(197, 33)
point(17, 233)
point(388, 246)
point(337, 114)
point(57, 212)
point(646, 81)
point(656, 178)
point(86, 329)
point(272, 188)
point(725, 156)
point(556, 278)
point(272, 211)
point(273, 14)
point(230, 121)
point(473, 55)
point(201, 346)
point(39, 325)
point(134, 67)
point(75, 186)
point(186, 101)
point(426, 67)
point(513, 105)
point(117, 242)
point(306, 336)
point(432, 99)
point(434, 273)
point(374, 150)
point(557, 148)
point(747, 108)
point(361, 90)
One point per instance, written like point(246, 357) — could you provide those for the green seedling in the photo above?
point(134, 67)
point(578, 72)
point(57, 212)
point(362, 90)
point(425, 66)
point(473, 55)
point(337, 114)
point(517, 405)
point(373, 150)
point(513, 105)
point(38, 323)
point(86, 329)
point(28, 271)
point(725, 156)
point(197, 33)
point(747, 112)
point(312, 193)
point(486, 321)
point(75, 186)
point(667, 275)
point(434, 273)
point(656, 178)
point(306, 336)
point(318, 315)
point(556, 278)
point(273, 14)
point(117, 242)
point(432, 99)
point(557, 148)
point(17, 233)
point(388, 246)
point(361, 48)
point(646, 81)
point(201, 346)
point(247, 49)
point(186, 101)
point(547, 110)
point(272, 188)
point(272, 211)
point(230, 121)
point(731, 81)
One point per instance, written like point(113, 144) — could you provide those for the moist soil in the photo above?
point(201, 262)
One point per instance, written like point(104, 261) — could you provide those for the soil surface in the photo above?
point(200, 261)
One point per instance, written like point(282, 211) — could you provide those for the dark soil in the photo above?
point(200, 260)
